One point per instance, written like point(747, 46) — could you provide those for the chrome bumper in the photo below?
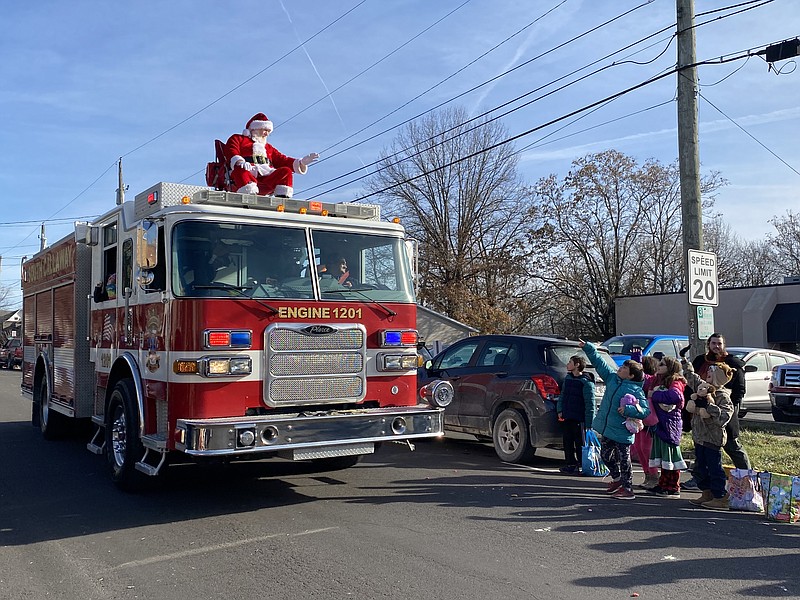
point(324, 431)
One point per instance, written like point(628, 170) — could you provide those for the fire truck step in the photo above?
point(148, 469)
point(98, 442)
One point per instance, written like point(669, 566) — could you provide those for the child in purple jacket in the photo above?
point(666, 392)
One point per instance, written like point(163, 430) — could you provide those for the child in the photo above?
point(666, 392)
point(643, 441)
point(615, 446)
point(575, 408)
point(711, 409)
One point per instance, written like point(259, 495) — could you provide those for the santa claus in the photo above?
point(258, 168)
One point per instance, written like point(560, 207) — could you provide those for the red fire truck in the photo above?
point(200, 323)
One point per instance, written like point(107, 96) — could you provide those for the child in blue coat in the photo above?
point(575, 408)
point(615, 444)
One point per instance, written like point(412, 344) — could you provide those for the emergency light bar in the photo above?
point(163, 195)
point(289, 205)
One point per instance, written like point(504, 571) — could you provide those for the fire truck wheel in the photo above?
point(123, 446)
point(511, 437)
point(52, 424)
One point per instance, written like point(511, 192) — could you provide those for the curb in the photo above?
point(787, 429)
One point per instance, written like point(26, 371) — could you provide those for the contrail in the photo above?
point(319, 76)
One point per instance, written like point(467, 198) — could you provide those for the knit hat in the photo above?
point(719, 374)
point(258, 121)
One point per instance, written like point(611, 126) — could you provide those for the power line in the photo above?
point(433, 87)
point(495, 108)
point(508, 72)
point(750, 135)
point(521, 135)
point(401, 46)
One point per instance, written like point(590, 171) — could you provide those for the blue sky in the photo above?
point(86, 82)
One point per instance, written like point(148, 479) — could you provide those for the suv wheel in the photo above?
point(511, 437)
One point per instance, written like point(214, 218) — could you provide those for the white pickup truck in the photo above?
point(784, 393)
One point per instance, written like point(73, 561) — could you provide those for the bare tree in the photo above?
point(616, 232)
point(466, 207)
point(786, 241)
point(740, 262)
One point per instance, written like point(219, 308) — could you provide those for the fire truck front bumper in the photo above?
point(308, 435)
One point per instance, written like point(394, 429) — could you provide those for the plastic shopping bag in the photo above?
point(744, 489)
point(781, 497)
point(591, 463)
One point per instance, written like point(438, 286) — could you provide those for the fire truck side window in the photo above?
point(160, 272)
point(110, 260)
point(127, 264)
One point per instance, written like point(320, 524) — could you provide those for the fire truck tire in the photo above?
point(123, 445)
point(511, 437)
point(52, 424)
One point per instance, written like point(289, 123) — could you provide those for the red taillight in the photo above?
point(546, 386)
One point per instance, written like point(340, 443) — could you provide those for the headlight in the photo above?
point(217, 366)
point(397, 362)
point(438, 393)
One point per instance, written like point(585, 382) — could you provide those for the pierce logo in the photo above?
point(319, 329)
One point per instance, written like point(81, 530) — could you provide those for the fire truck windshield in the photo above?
point(214, 259)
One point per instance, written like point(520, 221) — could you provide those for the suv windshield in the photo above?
point(622, 344)
point(271, 261)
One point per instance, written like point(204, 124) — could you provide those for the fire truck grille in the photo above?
point(286, 339)
point(301, 391)
point(289, 364)
point(315, 365)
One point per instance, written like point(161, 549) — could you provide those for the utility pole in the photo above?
point(689, 156)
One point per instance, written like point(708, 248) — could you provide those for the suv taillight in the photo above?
point(546, 386)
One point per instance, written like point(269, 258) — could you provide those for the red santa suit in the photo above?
point(258, 168)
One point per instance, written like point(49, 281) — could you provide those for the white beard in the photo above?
point(259, 145)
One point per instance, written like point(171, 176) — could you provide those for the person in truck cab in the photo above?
point(257, 167)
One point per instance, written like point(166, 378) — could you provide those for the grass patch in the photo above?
point(767, 451)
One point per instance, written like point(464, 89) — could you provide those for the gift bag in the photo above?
point(591, 463)
point(781, 495)
point(744, 489)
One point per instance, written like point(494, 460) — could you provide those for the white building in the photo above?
point(761, 316)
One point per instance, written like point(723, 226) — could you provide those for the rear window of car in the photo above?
point(560, 355)
point(622, 344)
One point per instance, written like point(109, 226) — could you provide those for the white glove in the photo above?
point(262, 170)
point(246, 166)
point(309, 158)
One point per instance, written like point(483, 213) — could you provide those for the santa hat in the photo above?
point(258, 121)
point(719, 374)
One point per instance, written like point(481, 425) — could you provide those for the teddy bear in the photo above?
point(698, 401)
point(631, 424)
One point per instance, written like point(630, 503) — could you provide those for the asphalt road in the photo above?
point(448, 521)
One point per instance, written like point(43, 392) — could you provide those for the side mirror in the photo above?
point(750, 368)
point(147, 245)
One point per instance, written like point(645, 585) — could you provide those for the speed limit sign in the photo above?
point(703, 278)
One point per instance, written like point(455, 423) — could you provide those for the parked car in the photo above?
point(758, 366)
point(505, 389)
point(620, 345)
point(11, 354)
point(784, 393)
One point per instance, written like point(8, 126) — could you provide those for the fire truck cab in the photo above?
point(207, 323)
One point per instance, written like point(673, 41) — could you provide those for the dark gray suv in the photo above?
point(506, 388)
